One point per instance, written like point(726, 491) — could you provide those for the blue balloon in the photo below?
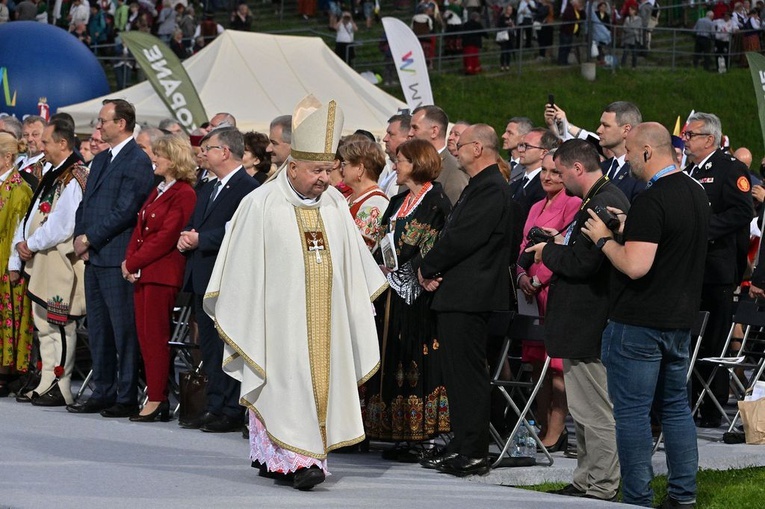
point(40, 60)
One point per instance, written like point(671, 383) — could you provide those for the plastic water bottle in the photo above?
point(531, 444)
point(520, 443)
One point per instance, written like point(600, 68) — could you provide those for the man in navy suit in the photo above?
point(527, 190)
point(120, 180)
point(217, 201)
point(615, 123)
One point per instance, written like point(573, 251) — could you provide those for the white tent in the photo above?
point(257, 77)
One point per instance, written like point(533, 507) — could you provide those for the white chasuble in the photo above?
point(291, 296)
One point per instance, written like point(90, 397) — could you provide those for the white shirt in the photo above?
point(58, 228)
point(530, 176)
point(387, 180)
point(224, 181)
point(79, 14)
point(118, 147)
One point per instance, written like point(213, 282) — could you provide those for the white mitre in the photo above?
point(316, 130)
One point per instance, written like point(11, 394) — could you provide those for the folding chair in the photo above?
point(697, 331)
point(751, 315)
point(521, 328)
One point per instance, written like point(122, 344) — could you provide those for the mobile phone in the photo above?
point(551, 100)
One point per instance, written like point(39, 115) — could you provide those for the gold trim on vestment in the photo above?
point(379, 291)
point(369, 375)
point(318, 299)
point(327, 157)
point(230, 342)
point(331, 112)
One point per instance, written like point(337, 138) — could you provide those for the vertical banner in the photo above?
point(410, 63)
point(168, 77)
point(757, 68)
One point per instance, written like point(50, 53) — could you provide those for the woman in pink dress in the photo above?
point(555, 212)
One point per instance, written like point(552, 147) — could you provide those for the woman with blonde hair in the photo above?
point(15, 307)
point(155, 266)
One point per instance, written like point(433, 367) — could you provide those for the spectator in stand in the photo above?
point(27, 11)
point(571, 18)
point(186, 22)
point(208, 28)
point(505, 23)
point(724, 27)
point(81, 32)
point(121, 15)
point(96, 26)
point(78, 13)
point(644, 11)
point(199, 43)
point(631, 35)
point(752, 32)
point(423, 26)
point(543, 19)
point(704, 32)
point(241, 19)
point(453, 19)
point(525, 20)
point(601, 29)
point(5, 14)
point(166, 22)
point(178, 46)
point(472, 42)
point(346, 28)
point(306, 8)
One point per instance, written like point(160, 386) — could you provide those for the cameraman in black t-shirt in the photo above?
point(655, 296)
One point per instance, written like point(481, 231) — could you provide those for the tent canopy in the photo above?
point(257, 77)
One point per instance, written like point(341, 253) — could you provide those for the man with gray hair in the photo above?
point(172, 126)
point(217, 201)
point(11, 125)
point(728, 186)
point(517, 128)
point(32, 130)
point(146, 138)
point(222, 119)
point(280, 140)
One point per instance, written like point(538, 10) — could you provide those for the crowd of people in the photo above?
point(343, 290)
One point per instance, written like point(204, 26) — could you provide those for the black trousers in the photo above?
point(463, 338)
point(718, 300)
point(222, 390)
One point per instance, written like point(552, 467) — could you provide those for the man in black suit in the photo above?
point(517, 128)
point(469, 267)
point(527, 190)
point(217, 201)
point(577, 310)
point(615, 123)
point(120, 180)
point(728, 186)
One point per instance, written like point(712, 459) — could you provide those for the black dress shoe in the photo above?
point(89, 407)
point(119, 410)
point(51, 398)
point(199, 421)
point(306, 478)
point(570, 491)
point(224, 424)
point(462, 466)
point(434, 462)
point(26, 397)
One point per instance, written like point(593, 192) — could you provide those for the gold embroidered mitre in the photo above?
point(316, 130)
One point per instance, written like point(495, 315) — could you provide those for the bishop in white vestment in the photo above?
point(291, 296)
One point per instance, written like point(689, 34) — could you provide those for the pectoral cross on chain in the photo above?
point(316, 244)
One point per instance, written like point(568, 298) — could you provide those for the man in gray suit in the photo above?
point(429, 123)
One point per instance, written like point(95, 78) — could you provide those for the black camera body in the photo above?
point(609, 218)
point(535, 236)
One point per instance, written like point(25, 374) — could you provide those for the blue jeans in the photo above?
point(644, 365)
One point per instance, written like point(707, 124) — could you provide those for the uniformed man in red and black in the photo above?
point(726, 181)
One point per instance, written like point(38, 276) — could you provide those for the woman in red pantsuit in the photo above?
point(155, 266)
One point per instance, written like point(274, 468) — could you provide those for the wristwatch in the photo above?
point(602, 242)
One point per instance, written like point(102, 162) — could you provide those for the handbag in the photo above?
point(753, 417)
point(503, 36)
point(192, 387)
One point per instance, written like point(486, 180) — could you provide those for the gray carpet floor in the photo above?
point(51, 458)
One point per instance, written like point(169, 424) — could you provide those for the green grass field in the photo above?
point(731, 489)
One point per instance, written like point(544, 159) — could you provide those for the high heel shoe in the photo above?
point(162, 411)
point(560, 445)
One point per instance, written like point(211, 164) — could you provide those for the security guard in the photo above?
point(728, 186)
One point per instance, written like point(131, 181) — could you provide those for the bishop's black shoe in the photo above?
point(306, 478)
